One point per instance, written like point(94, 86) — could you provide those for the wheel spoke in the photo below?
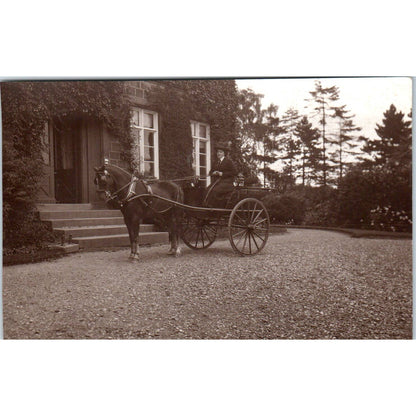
point(253, 212)
point(240, 226)
point(248, 226)
point(259, 236)
point(240, 232)
point(258, 214)
point(198, 234)
point(241, 219)
point(241, 237)
point(245, 241)
point(260, 222)
point(205, 231)
point(201, 230)
point(255, 242)
point(197, 239)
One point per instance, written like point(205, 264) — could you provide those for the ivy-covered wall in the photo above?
point(26, 107)
point(180, 101)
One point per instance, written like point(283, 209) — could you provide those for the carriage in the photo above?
point(244, 216)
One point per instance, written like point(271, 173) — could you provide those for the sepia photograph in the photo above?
point(207, 209)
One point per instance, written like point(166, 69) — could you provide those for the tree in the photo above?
point(381, 185)
point(394, 148)
point(322, 98)
point(290, 143)
point(253, 131)
point(308, 137)
point(270, 142)
point(345, 141)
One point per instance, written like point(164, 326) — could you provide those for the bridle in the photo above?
point(131, 193)
point(114, 196)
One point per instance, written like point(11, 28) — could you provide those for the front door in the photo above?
point(78, 146)
point(67, 162)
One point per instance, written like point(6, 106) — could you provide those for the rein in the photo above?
point(186, 178)
point(131, 194)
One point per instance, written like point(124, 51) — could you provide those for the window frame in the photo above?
point(141, 146)
point(196, 140)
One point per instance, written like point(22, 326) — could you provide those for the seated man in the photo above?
point(222, 177)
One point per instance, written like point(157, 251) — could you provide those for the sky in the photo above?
point(367, 98)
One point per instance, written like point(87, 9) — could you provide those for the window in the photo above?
point(201, 161)
point(146, 152)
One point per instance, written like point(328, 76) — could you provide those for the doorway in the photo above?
point(67, 161)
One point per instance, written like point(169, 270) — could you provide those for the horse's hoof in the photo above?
point(133, 257)
point(178, 252)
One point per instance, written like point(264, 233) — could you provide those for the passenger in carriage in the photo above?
point(222, 178)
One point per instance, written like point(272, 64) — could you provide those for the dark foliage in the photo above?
point(211, 101)
point(285, 209)
point(26, 107)
point(363, 190)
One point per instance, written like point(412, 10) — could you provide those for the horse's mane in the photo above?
point(121, 170)
point(120, 173)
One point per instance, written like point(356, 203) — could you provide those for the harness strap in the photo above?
point(132, 189)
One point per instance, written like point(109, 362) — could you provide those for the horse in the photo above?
point(121, 190)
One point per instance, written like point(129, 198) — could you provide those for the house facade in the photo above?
point(77, 144)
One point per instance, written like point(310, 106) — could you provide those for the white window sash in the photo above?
point(155, 131)
point(196, 143)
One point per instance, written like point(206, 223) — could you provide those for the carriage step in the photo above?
point(85, 222)
point(99, 230)
point(121, 240)
point(87, 213)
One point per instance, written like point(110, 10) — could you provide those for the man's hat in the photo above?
point(223, 146)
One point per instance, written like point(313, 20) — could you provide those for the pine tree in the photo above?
point(346, 143)
point(308, 137)
point(394, 147)
point(270, 142)
point(322, 98)
point(290, 144)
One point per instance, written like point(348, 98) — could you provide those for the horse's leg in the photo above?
point(135, 254)
point(133, 227)
point(178, 230)
point(174, 234)
point(171, 250)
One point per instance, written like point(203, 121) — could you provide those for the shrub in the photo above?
point(363, 189)
point(387, 219)
point(284, 209)
point(322, 214)
point(24, 229)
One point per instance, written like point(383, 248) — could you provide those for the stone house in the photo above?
point(74, 147)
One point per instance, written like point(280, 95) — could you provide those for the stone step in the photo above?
point(88, 213)
point(66, 207)
point(84, 222)
point(94, 226)
point(121, 240)
point(100, 230)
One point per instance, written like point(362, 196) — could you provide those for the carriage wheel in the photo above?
point(198, 233)
point(248, 227)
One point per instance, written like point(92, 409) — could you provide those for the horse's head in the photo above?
point(104, 182)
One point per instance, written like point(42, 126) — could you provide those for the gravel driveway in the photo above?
point(306, 284)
